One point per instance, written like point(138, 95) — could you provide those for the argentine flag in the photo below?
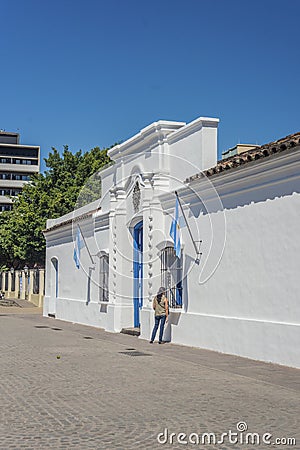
point(175, 230)
point(79, 244)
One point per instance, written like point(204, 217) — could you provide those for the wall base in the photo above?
point(273, 342)
point(110, 317)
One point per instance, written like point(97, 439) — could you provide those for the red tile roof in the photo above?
point(287, 143)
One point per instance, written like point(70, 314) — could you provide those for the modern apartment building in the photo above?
point(17, 163)
point(238, 149)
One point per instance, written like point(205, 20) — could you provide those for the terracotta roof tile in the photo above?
point(286, 143)
point(72, 220)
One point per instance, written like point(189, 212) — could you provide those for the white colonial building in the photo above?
point(234, 287)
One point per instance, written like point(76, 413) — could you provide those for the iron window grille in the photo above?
point(104, 274)
point(171, 276)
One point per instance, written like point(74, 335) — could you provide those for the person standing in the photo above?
point(161, 308)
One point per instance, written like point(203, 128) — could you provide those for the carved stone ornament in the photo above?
point(136, 197)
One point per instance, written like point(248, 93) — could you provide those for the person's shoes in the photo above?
point(160, 342)
point(151, 342)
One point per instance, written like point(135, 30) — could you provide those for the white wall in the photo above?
point(78, 289)
point(250, 305)
point(242, 298)
point(192, 149)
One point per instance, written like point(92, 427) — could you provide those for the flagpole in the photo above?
point(85, 243)
point(188, 227)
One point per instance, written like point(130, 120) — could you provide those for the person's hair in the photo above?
point(161, 292)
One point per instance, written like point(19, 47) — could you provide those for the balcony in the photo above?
point(19, 168)
point(12, 184)
point(5, 200)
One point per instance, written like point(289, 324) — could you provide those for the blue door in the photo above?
point(137, 272)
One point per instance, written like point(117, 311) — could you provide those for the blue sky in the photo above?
point(91, 73)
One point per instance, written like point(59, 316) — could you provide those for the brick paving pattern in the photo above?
point(68, 386)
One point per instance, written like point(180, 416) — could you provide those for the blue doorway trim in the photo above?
point(137, 272)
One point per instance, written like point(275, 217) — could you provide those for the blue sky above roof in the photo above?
point(91, 73)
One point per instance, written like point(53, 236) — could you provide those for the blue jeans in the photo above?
point(162, 320)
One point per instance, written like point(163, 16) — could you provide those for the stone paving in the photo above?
point(68, 386)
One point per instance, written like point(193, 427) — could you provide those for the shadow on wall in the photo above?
point(241, 196)
point(189, 262)
point(174, 319)
point(175, 316)
point(88, 291)
point(103, 309)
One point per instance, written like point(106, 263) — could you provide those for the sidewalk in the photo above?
point(69, 386)
point(22, 307)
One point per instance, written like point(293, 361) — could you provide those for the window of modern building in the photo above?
point(20, 176)
point(19, 152)
point(5, 176)
point(5, 207)
point(15, 192)
point(104, 273)
point(4, 191)
point(28, 162)
point(171, 276)
point(5, 160)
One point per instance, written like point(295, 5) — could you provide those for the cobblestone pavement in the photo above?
point(68, 386)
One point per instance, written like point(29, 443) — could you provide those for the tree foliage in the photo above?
point(48, 196)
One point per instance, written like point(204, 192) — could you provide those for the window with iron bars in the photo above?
point(171, 276)
point(104, 273)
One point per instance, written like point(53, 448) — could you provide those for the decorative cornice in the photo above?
point(192, 127)
point(73, 220)
point(156, 132)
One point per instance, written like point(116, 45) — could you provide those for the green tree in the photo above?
point(48, 196)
